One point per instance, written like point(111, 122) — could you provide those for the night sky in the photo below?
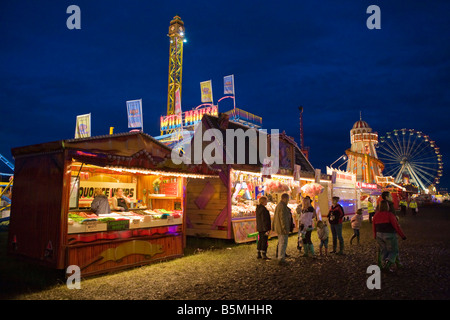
point(283, 54)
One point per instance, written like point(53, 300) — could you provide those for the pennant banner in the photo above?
point(134, 110)
point(83, 126)
point(206, 89)
point(228, 85)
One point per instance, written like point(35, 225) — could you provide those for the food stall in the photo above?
point(51, 221)
point(364, 191)
point(344, 187)
point(224, 207)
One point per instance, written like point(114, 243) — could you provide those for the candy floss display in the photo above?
point(54, 224)
point(312, 189)
point(224, 207)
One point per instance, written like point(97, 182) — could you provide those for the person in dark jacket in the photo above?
point(335, 218)
point(100, 204)
point(263, 226)
point(385, 230)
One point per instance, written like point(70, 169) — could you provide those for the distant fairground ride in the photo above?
point(413, 154)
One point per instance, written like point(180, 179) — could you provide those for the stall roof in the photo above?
point(132, 150)
point(214, 122)
point(122, 144)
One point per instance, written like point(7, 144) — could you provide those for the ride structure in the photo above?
point(177, 127)
point(411, 156)
point(5, 201)
point(362, 156)
point(8, 163)
point(177, 38)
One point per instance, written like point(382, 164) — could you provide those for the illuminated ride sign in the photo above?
point(187, 118)
point(363, 185)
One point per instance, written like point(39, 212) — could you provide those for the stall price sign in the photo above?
point(91, 226)
point(118, 225)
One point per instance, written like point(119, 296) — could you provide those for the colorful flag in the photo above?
point(83, 126)
point(228, 85)
point(206, 90)
point(177, 101)
point(134, 110)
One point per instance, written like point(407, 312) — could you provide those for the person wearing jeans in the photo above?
point(263, 226)
point(335, 216)
point(282, 226)
point(385, 230)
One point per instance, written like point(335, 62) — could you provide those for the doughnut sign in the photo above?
point(86, 191)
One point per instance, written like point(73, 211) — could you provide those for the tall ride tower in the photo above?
point(176, 35)
point(362, 156)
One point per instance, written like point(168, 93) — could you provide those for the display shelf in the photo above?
point(86, 227)
point(155, 223)
point(164, 197)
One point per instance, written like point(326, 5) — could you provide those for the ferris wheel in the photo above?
point(412, 153)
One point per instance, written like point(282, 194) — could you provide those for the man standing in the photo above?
point(386, 195)
point(263, 225)
point(335, 216)
point(282, 226)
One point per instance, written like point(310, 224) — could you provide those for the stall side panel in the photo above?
point(207, 210)
point(36, 211)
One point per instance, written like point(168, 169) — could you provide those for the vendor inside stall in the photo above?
point(119, 201)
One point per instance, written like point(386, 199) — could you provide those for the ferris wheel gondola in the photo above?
point(413, 153)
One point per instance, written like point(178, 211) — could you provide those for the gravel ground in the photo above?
point(234, 273)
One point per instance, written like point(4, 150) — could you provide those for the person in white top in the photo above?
point(306, 225)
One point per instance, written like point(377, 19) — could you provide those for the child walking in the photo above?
point(356, 222)
point(322, 233)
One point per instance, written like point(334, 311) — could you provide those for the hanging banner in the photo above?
point(83, 126)
point(177, 101)
point(297, 168)
point(206, 90)
point(317, 174)
point(228, 85)
point(266, 170)
point(134, 110)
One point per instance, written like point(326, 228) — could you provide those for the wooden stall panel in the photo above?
point(37, 222)
point(109, 256)
point(206, 200)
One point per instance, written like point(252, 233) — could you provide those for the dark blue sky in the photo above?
point(318, 54)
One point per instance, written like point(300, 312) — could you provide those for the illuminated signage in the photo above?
point(186, 119)
point(364, 185)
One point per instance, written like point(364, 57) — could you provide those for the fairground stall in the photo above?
point(224, 207)
point(366, 191)
point(344, 187)
point(53, 224)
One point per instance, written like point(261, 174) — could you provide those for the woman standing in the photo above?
point(306, 225)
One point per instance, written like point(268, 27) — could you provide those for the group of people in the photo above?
point(411, 206)
point(100, 204)
point(384, 222)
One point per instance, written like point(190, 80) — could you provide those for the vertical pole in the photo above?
point(234, 95)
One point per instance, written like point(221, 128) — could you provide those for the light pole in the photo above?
point(341, 157)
